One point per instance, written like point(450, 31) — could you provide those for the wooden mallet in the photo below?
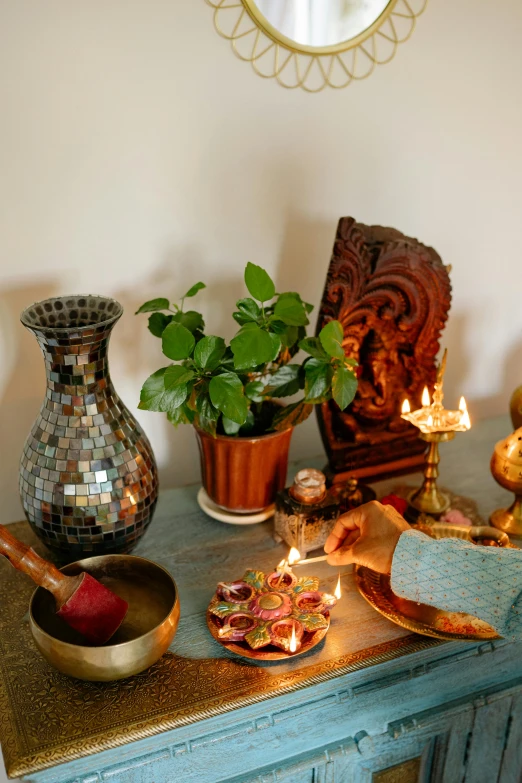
point(83, 602)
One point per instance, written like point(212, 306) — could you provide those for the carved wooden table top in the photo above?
point(47, 719)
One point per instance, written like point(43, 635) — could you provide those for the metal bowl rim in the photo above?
point(107, 646)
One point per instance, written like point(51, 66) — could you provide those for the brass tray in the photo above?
point(270, 653)
point(420, 618)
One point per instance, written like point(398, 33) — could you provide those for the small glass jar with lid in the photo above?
point(306, 512)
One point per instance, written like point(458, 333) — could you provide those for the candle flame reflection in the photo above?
point(337, 591)
point(426, 402)
point(294, 556)
point(293, 640)
point(406, 407)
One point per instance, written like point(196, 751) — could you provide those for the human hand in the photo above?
point(367, 535)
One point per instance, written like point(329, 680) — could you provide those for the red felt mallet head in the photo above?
point(83, 602)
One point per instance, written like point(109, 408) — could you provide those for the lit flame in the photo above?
point(406, 406)
point(465, 420)
point(426, 402)
point(462, 405)
point(293, 640)
point(337, 591)
point(281, 564)
point(294, 556)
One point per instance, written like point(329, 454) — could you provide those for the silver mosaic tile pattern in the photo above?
point(88, 478)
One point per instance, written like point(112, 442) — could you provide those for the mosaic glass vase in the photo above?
point(88, 478)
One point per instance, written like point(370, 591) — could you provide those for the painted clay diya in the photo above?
point(270, 617)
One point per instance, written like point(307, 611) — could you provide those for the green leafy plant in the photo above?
point(233, 389)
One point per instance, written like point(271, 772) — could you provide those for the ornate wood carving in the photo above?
point(392, 294)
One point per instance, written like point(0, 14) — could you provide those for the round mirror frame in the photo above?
point(273, 55)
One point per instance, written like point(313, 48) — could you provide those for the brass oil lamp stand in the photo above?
point(436, 425)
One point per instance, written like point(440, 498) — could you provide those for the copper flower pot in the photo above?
point(244, 474)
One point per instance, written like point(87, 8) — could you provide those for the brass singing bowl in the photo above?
point(143, 637)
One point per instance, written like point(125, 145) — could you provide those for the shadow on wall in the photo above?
point(459, 366)
point(135, 353)
point(511, 379)
point(303, 264)
point(454, 339)
point(305, 258)
point(22, 387)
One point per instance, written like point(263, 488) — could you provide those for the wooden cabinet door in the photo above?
point(474, 741)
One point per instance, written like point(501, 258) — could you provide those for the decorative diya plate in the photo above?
point(420, 618)
point(269, 653)
point(270, 617)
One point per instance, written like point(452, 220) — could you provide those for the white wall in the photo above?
point(138, 155)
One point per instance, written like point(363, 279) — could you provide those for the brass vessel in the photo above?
point(515, 407)
point(506, 467)
point(144, 636)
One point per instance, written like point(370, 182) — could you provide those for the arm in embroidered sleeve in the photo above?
point(457, 576)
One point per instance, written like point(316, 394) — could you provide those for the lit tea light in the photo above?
point(293, 640)
point(284, 566)
point(282, 569)
point(294, 556)
point(337, 591)
point(406, 408)
point(426, 401)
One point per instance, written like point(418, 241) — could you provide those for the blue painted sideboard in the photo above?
point(371, 703)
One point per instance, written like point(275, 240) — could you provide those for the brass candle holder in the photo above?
point(436, 425)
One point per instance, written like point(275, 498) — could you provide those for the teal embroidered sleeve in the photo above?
point(457, 576)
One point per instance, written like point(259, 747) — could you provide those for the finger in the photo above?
point(342, 556)
point(344, 525)
point(350, 539)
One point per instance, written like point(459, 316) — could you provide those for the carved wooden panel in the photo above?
point(392, 295)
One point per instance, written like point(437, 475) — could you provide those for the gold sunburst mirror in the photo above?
point(315, 43)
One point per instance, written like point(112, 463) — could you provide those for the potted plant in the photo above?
point(231, 393)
